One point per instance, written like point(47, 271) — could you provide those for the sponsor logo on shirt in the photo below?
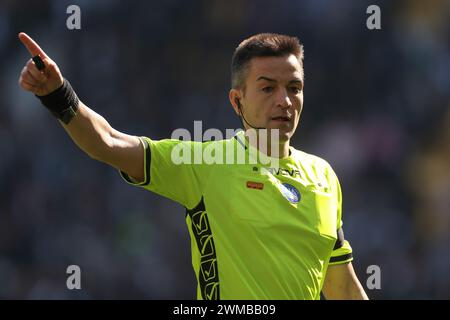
point(281, 171)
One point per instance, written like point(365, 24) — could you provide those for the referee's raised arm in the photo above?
point(89, 130)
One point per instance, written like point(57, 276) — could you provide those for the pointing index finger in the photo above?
point(32, 47)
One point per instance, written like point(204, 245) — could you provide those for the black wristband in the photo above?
point(62, 103)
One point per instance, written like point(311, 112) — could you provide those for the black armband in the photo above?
point(62, 103)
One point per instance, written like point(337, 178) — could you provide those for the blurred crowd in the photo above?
point(377, 107)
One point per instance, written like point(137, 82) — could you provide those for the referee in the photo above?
point(257, 232)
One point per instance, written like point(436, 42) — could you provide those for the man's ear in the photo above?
point(235, 97)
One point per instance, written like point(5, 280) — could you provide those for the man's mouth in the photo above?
point(282, 118)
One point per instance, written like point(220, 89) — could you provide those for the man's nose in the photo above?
point(283, 100)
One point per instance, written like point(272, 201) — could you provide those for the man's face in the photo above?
point(273, 97)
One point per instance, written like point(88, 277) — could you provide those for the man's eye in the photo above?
point(295, 89)
point(267, 89)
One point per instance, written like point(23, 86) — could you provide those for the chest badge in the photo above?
point(255, 185)
point(290, 192)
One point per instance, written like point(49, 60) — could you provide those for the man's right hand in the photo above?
point(89, 130)
point(31, 79)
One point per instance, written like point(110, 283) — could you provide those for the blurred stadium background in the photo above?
point(377, 107)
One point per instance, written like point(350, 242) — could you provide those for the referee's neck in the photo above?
point(280, 148)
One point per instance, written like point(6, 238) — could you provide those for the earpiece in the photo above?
point(238, 103)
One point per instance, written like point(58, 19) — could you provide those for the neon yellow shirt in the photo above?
point(256, 232)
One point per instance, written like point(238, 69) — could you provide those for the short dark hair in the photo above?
point(261, 45)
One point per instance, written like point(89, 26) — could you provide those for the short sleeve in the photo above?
point(342, 251)
point(170, 170)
